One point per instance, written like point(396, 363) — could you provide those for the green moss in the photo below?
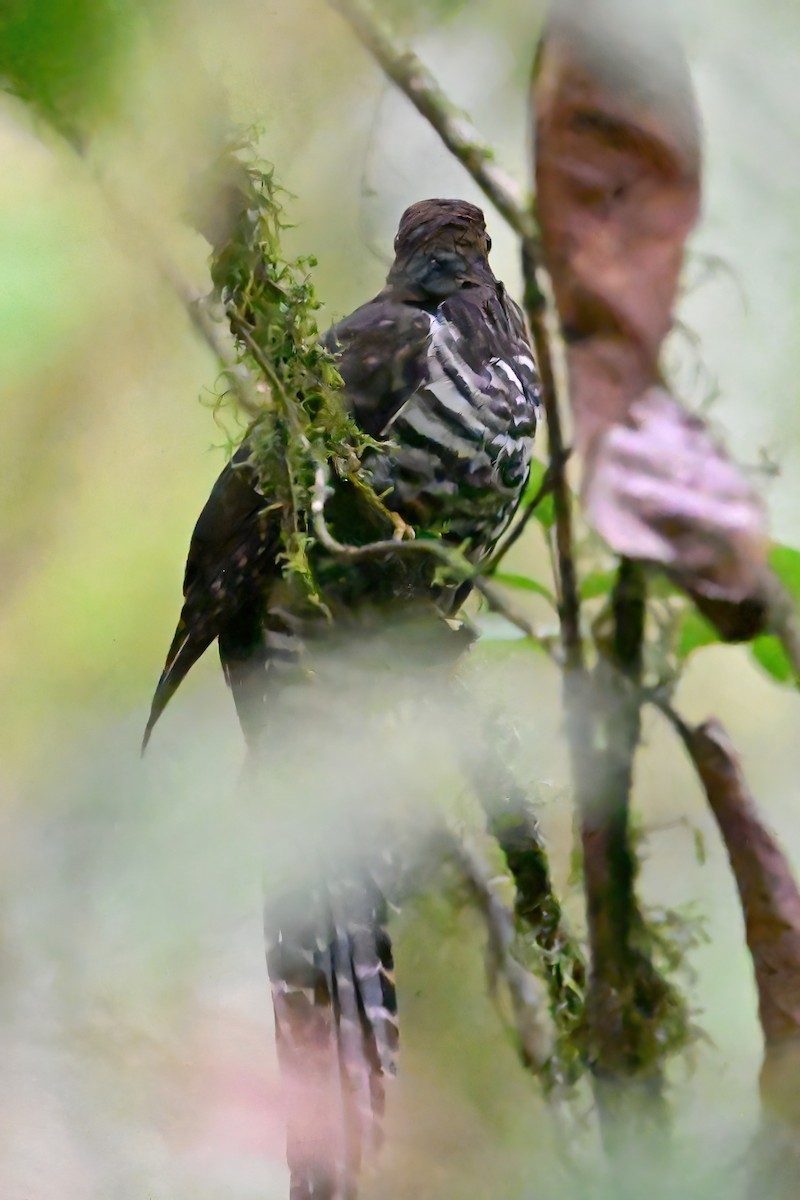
point(271, 305)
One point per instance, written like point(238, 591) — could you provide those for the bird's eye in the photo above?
point(488, 243)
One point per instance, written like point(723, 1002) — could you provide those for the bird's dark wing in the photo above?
point(231, 554)
point(382, 349)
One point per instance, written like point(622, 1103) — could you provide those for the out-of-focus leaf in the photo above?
point(497, 631)
point(544, 512)
point(662, 588)
point(65, 56)
point(523, 583)
point(598, 583)
point(694, 632)
point(412, 13)
point(770, 654)
point(770, 902)
point(618, 190)
point(660, 490)
point(785, 562)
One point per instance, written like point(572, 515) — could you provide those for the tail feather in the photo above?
point(191, 640)
point(337, 1037)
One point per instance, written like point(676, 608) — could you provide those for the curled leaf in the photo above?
point(618, 172)
point(769, 896)
point(659, 489)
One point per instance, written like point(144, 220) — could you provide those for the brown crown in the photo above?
point(428, 218)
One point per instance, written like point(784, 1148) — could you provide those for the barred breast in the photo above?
point(462, 443)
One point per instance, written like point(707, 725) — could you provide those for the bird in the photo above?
point(439, 374)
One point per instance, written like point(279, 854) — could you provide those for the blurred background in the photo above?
point(135, 1026)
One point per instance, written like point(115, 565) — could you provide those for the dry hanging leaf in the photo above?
point(771, 906)
point(618, 191)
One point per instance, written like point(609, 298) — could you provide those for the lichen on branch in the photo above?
point(271, 306)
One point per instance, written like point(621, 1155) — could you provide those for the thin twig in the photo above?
point(450, 558)
point(455, 129)
point(528, 1000)
point(488, 756)
point(445, 554)
point(497, 604)
point(243, 383)
point(543, 318)
point(214, 334)
point(544, 489)
point(242, 330)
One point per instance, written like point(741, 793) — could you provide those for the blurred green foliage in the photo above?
point(68, 57)
point(413, 15)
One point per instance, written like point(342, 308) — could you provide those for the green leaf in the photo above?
point(523, 584)
point(694, 632)
point(545, 512)
point(496, 631)
point(661, 587)
point(597, 583)
point(538, 472)
point(770, 654)
point(66, 56)
point(785, 562)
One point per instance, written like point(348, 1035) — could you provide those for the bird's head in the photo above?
point(441, 246)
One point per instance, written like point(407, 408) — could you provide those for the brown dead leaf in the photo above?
point(618, 169)
point(770, 901)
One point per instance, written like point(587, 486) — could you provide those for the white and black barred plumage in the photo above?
point(438, 367)
point(461, 409)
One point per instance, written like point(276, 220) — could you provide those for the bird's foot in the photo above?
point(403, 532)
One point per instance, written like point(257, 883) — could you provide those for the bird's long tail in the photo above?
point(336, 1028)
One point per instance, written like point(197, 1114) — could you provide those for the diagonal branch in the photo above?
point(528, 1001)
point(543, 319)
point(243, 383)
point(770, 901)
point(455, 129)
